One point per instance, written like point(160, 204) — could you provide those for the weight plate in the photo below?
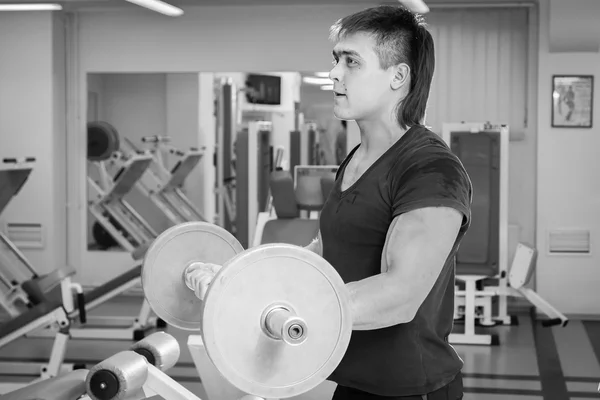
point(102, 141)
point(166, 260)
point(250, 283)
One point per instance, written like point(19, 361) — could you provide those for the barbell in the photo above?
point(275, 320)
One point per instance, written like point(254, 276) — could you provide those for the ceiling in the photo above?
point(76, 4)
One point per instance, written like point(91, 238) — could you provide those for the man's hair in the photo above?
point(401, 37)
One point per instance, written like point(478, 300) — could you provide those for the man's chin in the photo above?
point(342, 113)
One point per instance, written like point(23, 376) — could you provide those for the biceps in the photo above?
point(419, 242)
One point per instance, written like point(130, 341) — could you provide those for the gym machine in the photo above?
point(224, 157)
point(304, 146)
point(115, 216)
point(107, 194)
point(135, 373)
point(14, 299)
point(484, 252)
point(33, 300)
point(253, 162)
point(305, 192)
point(164, 186)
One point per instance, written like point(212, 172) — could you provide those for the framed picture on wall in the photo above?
point(572, 101)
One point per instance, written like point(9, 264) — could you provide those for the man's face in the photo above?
point(362, 90)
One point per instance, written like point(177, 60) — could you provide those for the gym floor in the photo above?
point(530, 363)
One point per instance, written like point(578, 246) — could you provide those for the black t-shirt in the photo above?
point(419, 170)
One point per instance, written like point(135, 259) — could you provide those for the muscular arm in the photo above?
point(316, 245)
point(417, 245)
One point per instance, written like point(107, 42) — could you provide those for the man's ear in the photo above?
point(401, 76)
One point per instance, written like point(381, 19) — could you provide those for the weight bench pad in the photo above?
point(101, 290)
point(475, 269)
point(111, 285)
point(52, 303)
point(70, 386)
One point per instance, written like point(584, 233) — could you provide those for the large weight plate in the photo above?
point(166, 260)
point(102, 141)
point(236, 299)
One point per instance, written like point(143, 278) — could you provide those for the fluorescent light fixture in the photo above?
point(327, 87)
point(322, 74)
point(316, 81)
point(159, 7)
point(30, 7)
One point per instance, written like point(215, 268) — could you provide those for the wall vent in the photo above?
point(25, 235)
point(569, 241)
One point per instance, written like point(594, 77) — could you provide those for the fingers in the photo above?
point(203, 284)
point(200, 276)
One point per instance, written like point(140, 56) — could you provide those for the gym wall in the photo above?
point(32, 124)
point(567, 159)
point(549, 186)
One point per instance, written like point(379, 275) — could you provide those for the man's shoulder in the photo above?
point(424, 148)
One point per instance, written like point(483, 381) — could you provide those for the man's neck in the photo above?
point(376, 137)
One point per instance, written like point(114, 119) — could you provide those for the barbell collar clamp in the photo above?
point(280, 322)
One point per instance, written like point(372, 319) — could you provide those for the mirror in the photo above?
point(165, 148)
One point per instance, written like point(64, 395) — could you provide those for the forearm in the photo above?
point(378, 302)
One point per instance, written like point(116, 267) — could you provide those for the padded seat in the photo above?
point(113, 284)
point(38, 288)
point(476, 269)
point(297, 231)
point(70, 386)
point(55, 297)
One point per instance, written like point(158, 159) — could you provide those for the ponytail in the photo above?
point(422, 66)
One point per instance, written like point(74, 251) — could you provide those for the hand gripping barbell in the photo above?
point(275, 320)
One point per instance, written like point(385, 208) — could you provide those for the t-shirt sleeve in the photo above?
point(436, 180)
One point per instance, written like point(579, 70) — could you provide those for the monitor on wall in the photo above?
point(263, 89)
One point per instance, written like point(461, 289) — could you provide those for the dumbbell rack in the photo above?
point(164, 186)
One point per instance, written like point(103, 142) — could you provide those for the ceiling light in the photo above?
point(30, 7)
point(159, 7)
point(316, 81)
point(327, 87)
point(322, 74)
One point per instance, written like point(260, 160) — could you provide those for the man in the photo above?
point(394, 220)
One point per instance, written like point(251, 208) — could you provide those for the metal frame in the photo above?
point(468, 298)
point(162, 186)
point(110, 328)
point(55, 365)
point(108, 199)
point(225, 201)
point(254, 128)
point(11, 293)
point(214, 384)
point(265, 216)
point(509, 283)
